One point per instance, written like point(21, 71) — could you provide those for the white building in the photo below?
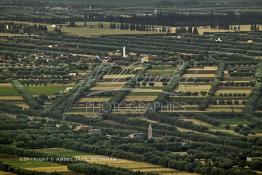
point(124, 52)
point(149, 132)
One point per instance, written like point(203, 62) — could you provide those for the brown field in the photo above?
point(11, 98)
point(140, 98)
point(208, 68)
point(39, 166)
point(225, 108)
point(199, 76)
point(87, 114)
point(234, 90)
point(145, 90)
point(229, 131)
point(237, 81)
point(108, 86)
point(193, 87)
point(211, 128)
point(22, 105)
point(202, 30)
point(197, 122)
point(131, 165)
point(49, 169)
point(6, 85)
point(118, 76)
point(95, 99)
point(6, 173)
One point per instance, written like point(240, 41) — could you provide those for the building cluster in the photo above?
point(88, 129)
point(93, 131)
point(139, 135)
point(120, 55)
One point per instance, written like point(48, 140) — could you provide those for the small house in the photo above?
point(136, 135)
point(83, 128)
point(94, 132)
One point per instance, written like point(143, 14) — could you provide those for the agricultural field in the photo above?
point(38, 166)
point(87, 32)
point(131, 87)
point(50, 89)
point(114, 162)
point(6, 173)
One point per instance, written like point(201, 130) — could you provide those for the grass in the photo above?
point(48, 90)
point(220, 128)
point(233, 122)
point(197, 122)
point(6, 90)
point(62, 151)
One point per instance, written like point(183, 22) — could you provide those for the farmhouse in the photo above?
point(135, 135)
point(72, 74)
point(84, 128)
point(146, 57)
point(115, 53)
point(66, 91)
point(94, 132)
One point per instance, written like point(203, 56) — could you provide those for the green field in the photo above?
point(61, 151)
point(8, 91)
point(48, 90)
point(144, 93)
point(233, 122)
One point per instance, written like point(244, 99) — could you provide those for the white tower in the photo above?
point(149, 132)
point(124, 52)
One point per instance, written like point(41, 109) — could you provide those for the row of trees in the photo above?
point(215, 85)
point(259, 72)
point(253, 98)
point(207, 119)
point(62, 103)
point(165, 94)
point(190, 30)
point(23, 28)
point(176, 19)
point(25, 95)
